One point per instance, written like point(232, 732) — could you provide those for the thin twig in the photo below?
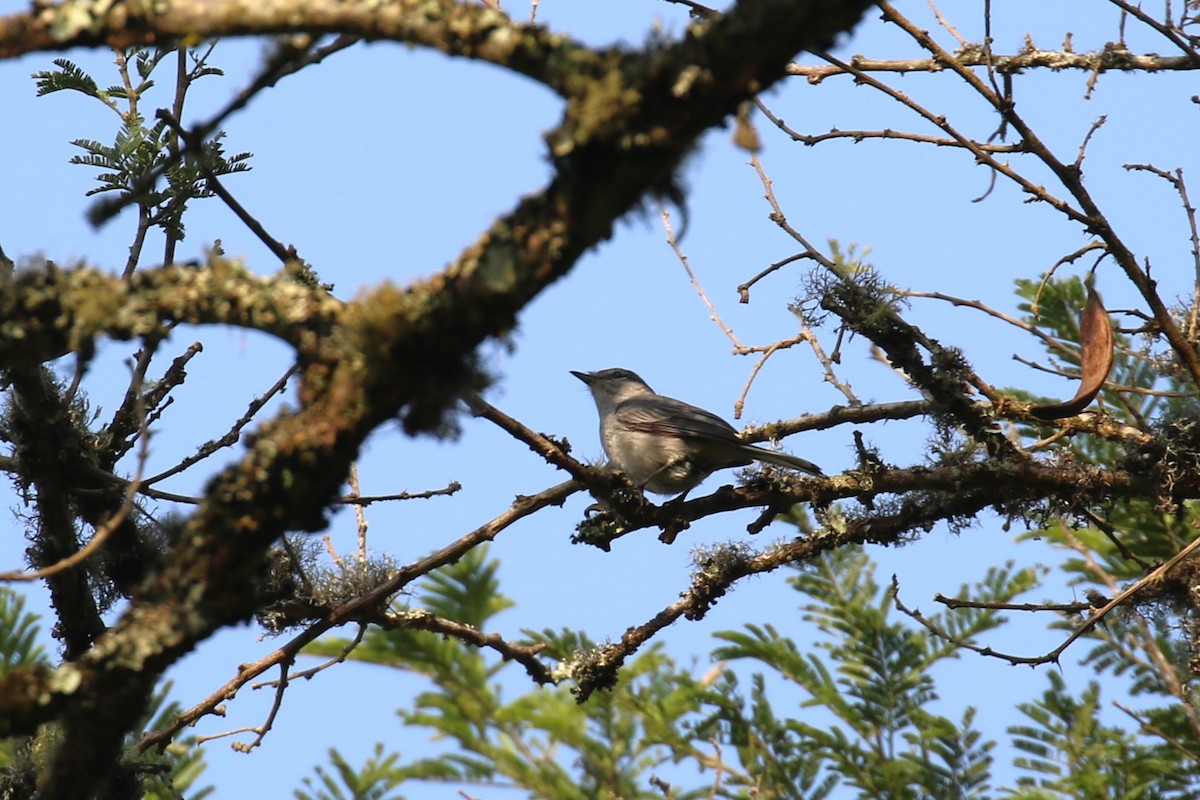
point(1108, 530)
point(233, 434)
point(743, 289)
point(955, 603)
point(1188, 47)
point(1154, 730)
point(360, 517)
point(826, 363)
point(192, 145)
point(687, 267)
point(308, 674)
point(1176, 180)
point(1046, 338)
point(767, 352)
point(544, 446)
point(862, 135)
point(1053, 656)
point(367, 499)
point(937, 14)
point(422, 620)
point(973, 56)
point(1087, 214)
point(365, 607)
point(262, 730)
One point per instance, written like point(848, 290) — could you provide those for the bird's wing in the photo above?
point(666, 416)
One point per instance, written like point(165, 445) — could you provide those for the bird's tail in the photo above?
point(784, 460)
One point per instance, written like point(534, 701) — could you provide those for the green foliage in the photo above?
point(1151, 645)
point(373, 781)
point(172, 774)
point(543, 741)
point(70, 77)
point(1070, 753)
point(863, 723)
point(864, 719)
point(18, 648)
point(873, 687)
point(18, 633)
point(776, 761)
point(131, 166)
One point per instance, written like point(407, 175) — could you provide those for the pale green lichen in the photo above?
point(64, 680)
point(604, 103)
point(497, 270)
point(683, 84)
point(67, 21)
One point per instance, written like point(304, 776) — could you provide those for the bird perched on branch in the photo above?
point(663, 444)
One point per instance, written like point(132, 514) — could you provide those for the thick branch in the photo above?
point(454, 28)
point(50, 311)
point(998, 482)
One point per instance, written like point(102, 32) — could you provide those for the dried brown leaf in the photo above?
point(1095, 356)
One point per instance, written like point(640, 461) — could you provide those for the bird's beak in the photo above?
point(586, 377)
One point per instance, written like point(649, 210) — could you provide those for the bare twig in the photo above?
point(973, 56)
point(1087, 214)
point(887, 133)
point(767, 352)
point(1154, 730)
point(365, 500)
point(1108, 530)
point(1086, 139)
point(826, 363)
point(683, 259)
point(192, 146)
point(1176, 180)
point(260, 731)
point(231, 436)
point(545, 447)
point(1092, 621)
point(307, 674)
point(838, 415)
point(958, 602)
point(937, 13)
point(420, 619)
point(1046, 338)
point(364, 608)
point(1188, 47)
point(744, 288)
point(360, 516)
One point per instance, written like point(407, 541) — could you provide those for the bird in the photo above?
point(665, 445)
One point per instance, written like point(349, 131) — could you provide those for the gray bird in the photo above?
point(663, 444)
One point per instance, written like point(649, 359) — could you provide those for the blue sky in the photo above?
point(383, 163)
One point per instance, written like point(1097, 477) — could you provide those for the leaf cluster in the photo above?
point(131, 165)
point(864, 718)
